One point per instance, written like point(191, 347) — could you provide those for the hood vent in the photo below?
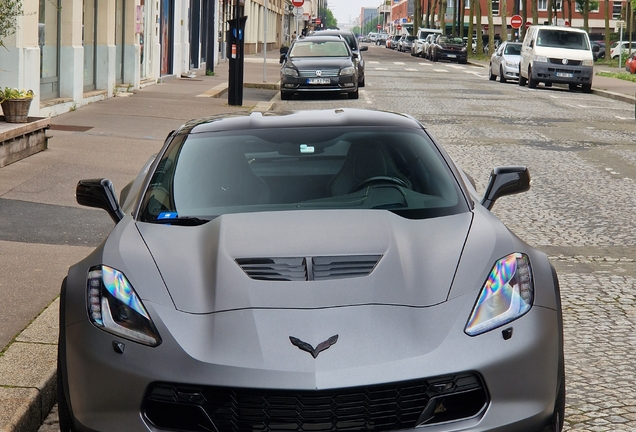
point(304, 269)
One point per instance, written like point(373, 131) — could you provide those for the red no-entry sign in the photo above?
point(516, 21)
point(298, 3)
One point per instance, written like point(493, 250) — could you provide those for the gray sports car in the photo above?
point(311, 271)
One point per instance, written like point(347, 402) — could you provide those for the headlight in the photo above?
point(348, 71)
point(542, 59)
point(512, 64)
point(463, 49)
point(507, 295)
point(290, 72)
point(588, 63)
point(114, 307)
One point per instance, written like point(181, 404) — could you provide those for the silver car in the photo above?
point(504, 63)
point(312, 271)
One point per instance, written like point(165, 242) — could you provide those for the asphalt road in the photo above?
point(581, 152)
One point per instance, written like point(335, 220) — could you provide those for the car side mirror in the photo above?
point(355, 55)
point(364, 48)
point(99, 193)
point(595, 49)
point(504, 181)
point(531, 43)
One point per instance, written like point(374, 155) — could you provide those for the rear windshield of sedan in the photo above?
point(336, 48)
point(209, 174)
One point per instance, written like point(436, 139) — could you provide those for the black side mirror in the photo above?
point(531, 43)
point(99, 193)
point(364, 48)
point(595, 48)
point(284, 50)
point(505, 181)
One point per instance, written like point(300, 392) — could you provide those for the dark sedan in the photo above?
point(319, 64)
point(449, 48)
point(355, 48)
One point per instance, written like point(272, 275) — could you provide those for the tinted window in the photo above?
point(209, 174)
point(562, 39)
point(310, 48)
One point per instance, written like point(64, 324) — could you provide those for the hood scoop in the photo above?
point(309, 268)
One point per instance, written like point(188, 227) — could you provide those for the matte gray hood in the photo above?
point(199, 264)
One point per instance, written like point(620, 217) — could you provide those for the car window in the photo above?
point(513, 49)
point(562, 39)
point(309, 48)
point(208, 174)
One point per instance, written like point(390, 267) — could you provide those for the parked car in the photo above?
point(405, 43)
point(504, 63)
point(449, 48)
point(555, 54)
point(598, 49)
point(617, 47)
point(393, 41)
point(381, 39)
point(319, 64)
point(630, 63)
point(355, 48)
point(428, 44)
point(420, 37)
point(241, 290)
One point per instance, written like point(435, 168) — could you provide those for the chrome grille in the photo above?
point(311, 73)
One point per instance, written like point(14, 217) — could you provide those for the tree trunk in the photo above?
point(586, 15)
point(442, 15)
point(491, 30)
point(504, 20)
point(535, 13)
point(524, 18)
point(471, 17)
point(417, 16)
point(550, 8)
point(460, 17)
point(480, 43)
point(428, 14)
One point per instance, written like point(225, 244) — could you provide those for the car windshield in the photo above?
point(452, 40)
point(513, 49)
point(310, 48)
point(201, 176)
point(562, 39)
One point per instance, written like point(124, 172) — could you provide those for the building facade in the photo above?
point(74, 52)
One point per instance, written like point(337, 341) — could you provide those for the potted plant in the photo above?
point(15, 104)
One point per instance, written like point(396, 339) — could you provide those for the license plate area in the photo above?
point(564, 75)
point(451, 55)
point(318, 81)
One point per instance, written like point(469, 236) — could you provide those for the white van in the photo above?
point(553, 54)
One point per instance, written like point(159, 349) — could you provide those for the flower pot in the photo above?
point(16, 110)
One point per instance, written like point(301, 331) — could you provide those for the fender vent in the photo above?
point(304, 269)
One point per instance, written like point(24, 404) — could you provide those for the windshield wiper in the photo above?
point(182, 221)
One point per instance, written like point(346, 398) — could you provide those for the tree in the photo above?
point(585, 6)
point(504, 21)
point(9, 12)
point(471, 17)
point(331, 21)
point(491, 30)
point(417, 16)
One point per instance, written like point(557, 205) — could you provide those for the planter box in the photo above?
point(20, 140)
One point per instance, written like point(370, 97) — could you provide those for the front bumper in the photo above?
point(565, 74)
point(459, 56)
point(510, 72)
point(346, 83)
point(110, 391)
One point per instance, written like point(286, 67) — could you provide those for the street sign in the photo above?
point(516, 21)
point(528, 24)
point(379, 26)
point(485, 27)
point(299, 12)
point(298, 3)
point(318, 20)
point(399, 27)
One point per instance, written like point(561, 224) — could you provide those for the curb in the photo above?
point(28, 369)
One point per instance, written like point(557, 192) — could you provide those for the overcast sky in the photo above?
point(346, 10)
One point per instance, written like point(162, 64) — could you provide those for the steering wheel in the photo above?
point(377, 179)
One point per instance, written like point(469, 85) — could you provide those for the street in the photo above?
point(581, 153)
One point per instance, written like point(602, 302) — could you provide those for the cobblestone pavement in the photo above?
point(581, 152)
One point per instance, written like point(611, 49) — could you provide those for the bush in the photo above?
point(9, 12)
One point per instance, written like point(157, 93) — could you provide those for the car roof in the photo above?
point(341, 117)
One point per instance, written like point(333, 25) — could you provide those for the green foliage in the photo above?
point(208, 72)
point(620, 75)
point(14, 93)
point(9, 12)
point(590, 4)
point(331, 20)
